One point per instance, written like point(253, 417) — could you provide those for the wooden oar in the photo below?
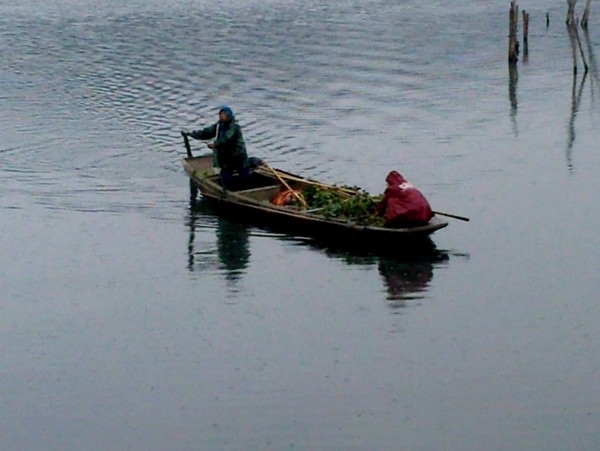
point(296, 195)
point(450, 215)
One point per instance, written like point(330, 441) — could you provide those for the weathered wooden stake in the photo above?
point(525, 33)
point(586, 15)
point(591, 57)
point(513, 43)
point(547, 20)
point(571, 28)
point(571, 12)
point(585, 64)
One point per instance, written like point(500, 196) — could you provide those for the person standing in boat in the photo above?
point(228, 147)
point(403, 205)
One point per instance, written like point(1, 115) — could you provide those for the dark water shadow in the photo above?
point(406, 272)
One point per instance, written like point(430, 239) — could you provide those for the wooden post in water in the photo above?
point(547, 20)
point(525, 34)
point(571, 12)
point(574, 36)
point(513, 43)
point(513, 56)
point(590, 52)
point(585, 64)
point(570, 29)
point(586, 15)
point(513, 79)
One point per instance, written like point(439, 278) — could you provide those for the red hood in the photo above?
point(394, 178)
point(403, 202)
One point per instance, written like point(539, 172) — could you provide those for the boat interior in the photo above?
point(260, 186)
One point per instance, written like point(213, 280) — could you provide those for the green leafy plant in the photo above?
point(335, 204)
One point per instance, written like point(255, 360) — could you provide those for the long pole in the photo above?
point(187, 144)
point(343, 191)
point(296, 195)
point(215, 157)
point(450, 215)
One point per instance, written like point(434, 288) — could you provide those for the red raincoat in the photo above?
point(403, 204)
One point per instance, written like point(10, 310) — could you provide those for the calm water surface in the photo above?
point(132, 321)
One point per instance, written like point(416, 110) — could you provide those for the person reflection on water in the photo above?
point(232, 246)
point(229, 148)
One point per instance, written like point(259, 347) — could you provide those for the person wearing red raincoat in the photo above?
point(403, 205)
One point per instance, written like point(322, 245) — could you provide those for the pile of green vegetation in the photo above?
point(337, 204)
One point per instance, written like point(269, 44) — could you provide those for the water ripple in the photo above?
point(315, 85)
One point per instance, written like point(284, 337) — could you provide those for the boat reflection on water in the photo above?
point(405, 281)
point(406, 276)
point(232, 247)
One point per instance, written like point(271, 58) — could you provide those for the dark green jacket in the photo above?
point(230, 147)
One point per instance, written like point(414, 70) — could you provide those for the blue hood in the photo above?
point(227, 111)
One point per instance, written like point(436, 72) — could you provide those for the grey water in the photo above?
point(131, 320)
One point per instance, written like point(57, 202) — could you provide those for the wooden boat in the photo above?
point(251, 200)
